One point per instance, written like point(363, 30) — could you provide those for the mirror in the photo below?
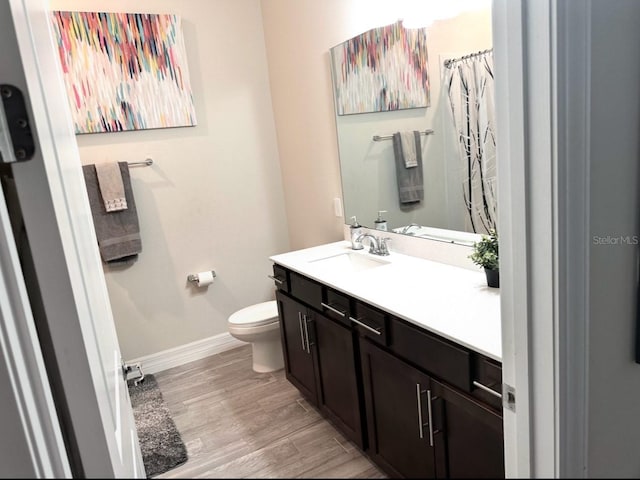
point(453, 200)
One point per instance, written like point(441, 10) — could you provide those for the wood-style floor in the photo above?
point(237, 423)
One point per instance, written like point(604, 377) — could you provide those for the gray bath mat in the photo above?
point(160, 442)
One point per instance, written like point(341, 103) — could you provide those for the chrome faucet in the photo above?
point(377, 245)
point(373, 241)
point(383, 247)
point(406, 229)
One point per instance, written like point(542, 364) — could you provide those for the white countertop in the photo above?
point(450, 301)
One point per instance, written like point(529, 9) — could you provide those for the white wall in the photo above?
point(298, 35)
point(213, 198)
point(614, 379)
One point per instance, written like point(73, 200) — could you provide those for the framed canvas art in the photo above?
point(124, 71)
point(385, 68)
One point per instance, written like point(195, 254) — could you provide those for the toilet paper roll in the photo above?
point(205, 278)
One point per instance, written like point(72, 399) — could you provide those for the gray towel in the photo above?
point(410, 181)
point(118, 232)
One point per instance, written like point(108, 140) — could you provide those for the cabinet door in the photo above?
point(296, 345)
point(338, 394)
point(469, 436)
point(397, 416)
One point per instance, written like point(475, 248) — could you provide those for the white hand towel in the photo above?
point(111, 187)
point(408, 140)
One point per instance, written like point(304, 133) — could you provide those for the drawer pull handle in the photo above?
point(418, 394)
point(487, 389)
point(275, 279)
point(333, 309)
point(374, 330)
point(430, 418)
point(306, 332)
point(301, 331)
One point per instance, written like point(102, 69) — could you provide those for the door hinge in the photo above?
point(16, 138)
point(508, 397)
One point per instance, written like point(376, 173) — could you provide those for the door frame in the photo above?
point(542, 49)
point(102, 436)
point(28, 415)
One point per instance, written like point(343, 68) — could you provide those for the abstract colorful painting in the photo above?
point(124, 71)
point(383, 69)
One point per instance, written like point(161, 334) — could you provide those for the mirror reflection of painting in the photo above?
point(382, 69)
point(454, 138)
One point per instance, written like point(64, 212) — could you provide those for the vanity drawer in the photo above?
point(436, 356)
point(336, 306)
point(305, 290)
point(371, 322)
point(280, 277)
point(487, 374)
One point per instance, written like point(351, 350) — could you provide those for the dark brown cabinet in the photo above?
point(469, 442)
point(421, 428)
point(297, 332)
point(397, 414)
point(420, 406)
point(320, 361)
point(338, 395)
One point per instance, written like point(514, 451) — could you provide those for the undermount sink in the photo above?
point(350, 262)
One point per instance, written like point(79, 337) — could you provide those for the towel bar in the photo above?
point(146, 162)
point(377, 138)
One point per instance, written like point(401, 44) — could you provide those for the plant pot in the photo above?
point(493, 277)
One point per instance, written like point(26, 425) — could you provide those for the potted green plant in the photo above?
point(485, 254)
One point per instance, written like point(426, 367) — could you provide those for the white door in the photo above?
point(75, 324)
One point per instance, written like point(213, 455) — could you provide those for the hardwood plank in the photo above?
point(341, 467)
point(252, 465)
point(237, 423)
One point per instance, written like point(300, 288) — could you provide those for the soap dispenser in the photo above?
point(356, 231)
point(381, 224)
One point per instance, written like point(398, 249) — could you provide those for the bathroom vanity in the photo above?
point(401, 353)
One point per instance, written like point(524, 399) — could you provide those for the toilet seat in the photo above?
point(255, 315)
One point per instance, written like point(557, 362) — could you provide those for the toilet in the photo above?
point(259, 325)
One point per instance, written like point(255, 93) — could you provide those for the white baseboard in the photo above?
point(176, 356)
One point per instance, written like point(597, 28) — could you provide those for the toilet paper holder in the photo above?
point(195, 279)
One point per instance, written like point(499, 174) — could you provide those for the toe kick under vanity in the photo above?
point(402, 354)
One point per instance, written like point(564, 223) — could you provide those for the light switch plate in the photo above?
point(337, 207)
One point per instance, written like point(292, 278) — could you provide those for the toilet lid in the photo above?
point(258, 314)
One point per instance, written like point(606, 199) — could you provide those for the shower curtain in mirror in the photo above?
point(469, 83)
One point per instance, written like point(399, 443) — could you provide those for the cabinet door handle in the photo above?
point(301, 330)
point(275, 279)
point(333, 309)
point(371, 329)
point(418, 399)
point(430, 418)
point(306, 332)
point(487, 389)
